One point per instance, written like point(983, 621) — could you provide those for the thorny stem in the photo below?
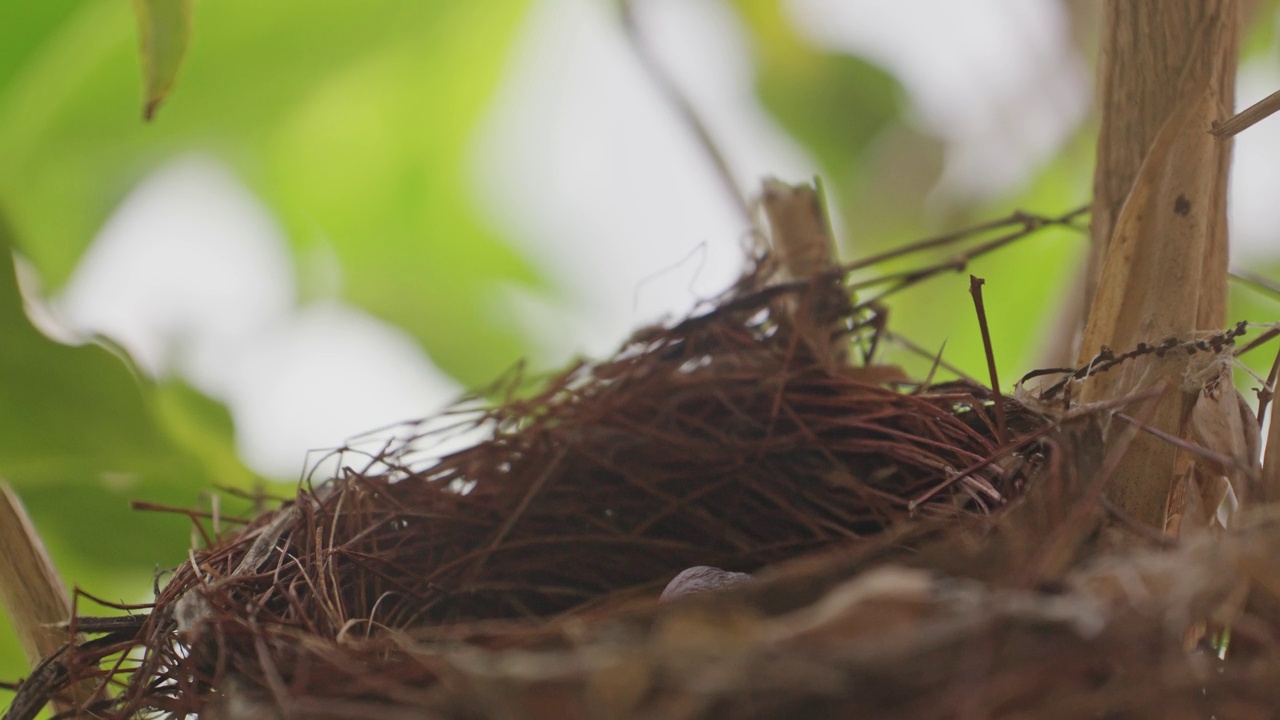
point(1107, 358)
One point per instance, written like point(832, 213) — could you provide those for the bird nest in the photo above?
point(918, 551)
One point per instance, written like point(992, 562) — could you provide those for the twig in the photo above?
point(1259, 341)
point(1030, 223)
point(1268, 390)
point(684, 108)
point(1108, 358)
point(935, 358)
point(1248, 117)
point(958, 263)
point(975, 289)
point(1191, 447)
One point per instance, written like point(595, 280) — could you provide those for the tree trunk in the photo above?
point(1147, 45)
point(1158, 265)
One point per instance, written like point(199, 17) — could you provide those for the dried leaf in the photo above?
point(800, 234)
point(799, 228)
point(1222, 421)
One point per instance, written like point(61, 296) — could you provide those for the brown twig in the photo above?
point(684, 108)
point(975, 289)
point(1247, 118)
point(1028, 223)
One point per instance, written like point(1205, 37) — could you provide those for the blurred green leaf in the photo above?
point(389, 190)
point(95, 534)
point(1247, 301)
point(203, 427)
point(71, 413)
point(164, 27)
point(389, 91)
point(79, 420)
point(81, 435)
point(352, 122)
point(27, 25)
point(835, 105)
point(1026, 286)
point(848, 114)
point(1260, 32)
point(882, 203)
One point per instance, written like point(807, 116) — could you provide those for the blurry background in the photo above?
point(349, 212)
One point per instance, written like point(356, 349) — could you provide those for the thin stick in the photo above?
point(1270, 479)
point(1248, 117)
point(936, 358)
point(1259, 341)
point(975, 289)
point(1191, 447)
point(668, 87)
point(958, 263)
point(1268, 390)
point(1030, 223)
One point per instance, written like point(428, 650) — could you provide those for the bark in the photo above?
point(1158, 265)
point(1146, 47)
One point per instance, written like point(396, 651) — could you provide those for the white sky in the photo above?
point(583, 165)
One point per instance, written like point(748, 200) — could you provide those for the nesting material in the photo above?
point(906, 562)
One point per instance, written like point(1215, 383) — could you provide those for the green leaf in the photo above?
point(848, 114)
point(352, 119)
point(1259, 38)
point(204, 429)
point(80, 417)
point(164, 27)
point(834, 104)
point(374, 167)
point(72, 414)
point(1256, 304)
point(28, 25)
point(80, 438)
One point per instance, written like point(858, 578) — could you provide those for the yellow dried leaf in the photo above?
point(1223, 422)
point(799, 228)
